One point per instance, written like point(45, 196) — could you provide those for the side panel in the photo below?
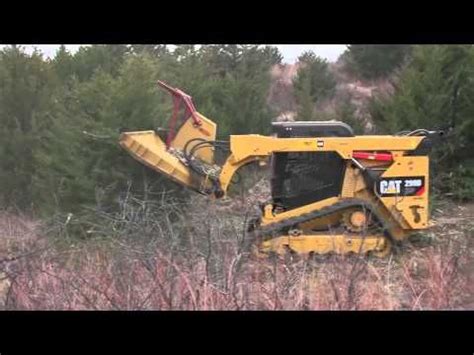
point(188, 131)
point(244, 146)
point(404, 190)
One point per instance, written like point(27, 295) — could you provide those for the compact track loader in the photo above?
point(331, 191)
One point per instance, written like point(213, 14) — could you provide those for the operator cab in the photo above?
point(307, 177)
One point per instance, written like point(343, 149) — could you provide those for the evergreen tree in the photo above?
point(313, 83)
point(63, 64)
point(108, 58)
point(304, 97)
point(374, 61)
point(346, 112)
point(239, 80)
point(154, 50)
point(27, 86)
point(97, 110)
point(435, 89)
point(60, 119)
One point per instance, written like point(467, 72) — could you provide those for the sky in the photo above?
point(290, 52)
point(330, 52)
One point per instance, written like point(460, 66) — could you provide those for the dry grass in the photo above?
point(159, 257)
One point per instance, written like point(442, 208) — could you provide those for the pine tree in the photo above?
point(108, 58)
point(313, 83)
point(432, 92)
point(304, 97)
point(374, 61)
point(154, 50)
point(60, 119)
point(346, 112)
point(27, 87)
point(63, 64)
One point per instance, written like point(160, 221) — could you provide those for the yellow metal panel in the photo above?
point(244, 146)
point(350, 180)
point(268, 219)
point(188, 131)
point(327, 243)
point(148, 148)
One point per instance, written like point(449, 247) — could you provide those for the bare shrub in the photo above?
point(173, 255)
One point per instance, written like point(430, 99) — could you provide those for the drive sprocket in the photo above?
point(357, 220)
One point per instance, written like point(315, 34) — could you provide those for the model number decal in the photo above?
point(402, 186)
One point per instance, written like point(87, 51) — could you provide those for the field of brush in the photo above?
point(175, 256)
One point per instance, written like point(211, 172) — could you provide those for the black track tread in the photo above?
point(261, 231)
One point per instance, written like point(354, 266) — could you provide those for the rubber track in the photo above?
point(337, 207)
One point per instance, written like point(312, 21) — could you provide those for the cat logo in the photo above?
point(390, 186)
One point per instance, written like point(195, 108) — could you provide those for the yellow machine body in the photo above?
point(397, 197)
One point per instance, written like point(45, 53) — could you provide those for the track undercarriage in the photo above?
point(348, 226)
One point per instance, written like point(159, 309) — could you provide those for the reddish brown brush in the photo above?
point(157, 261)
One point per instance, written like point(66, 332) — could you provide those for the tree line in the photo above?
point(60, 118)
